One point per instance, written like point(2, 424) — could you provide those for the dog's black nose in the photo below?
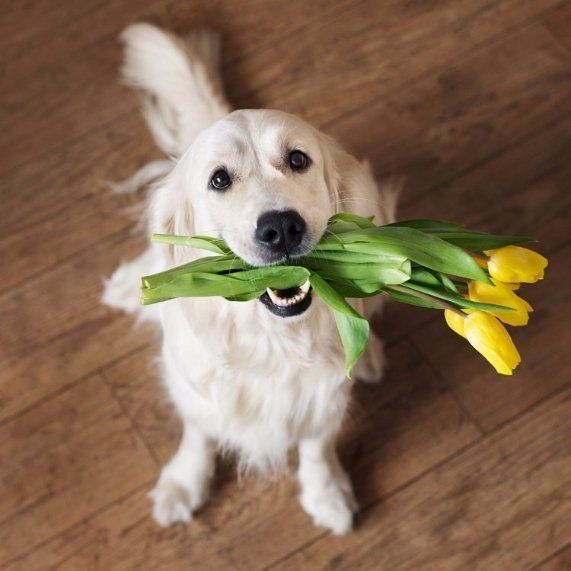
point(280, 231)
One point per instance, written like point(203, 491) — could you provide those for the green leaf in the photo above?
point(195, 284)
point(353, 328)
point(425, 224)
point(342, 255)
point(448, 283)
point(478, 242)
point(411, 299)
point(393, 271)
point(425, 277)
point(424, 249)
point(202, 242)
point(455, 234)
point(208, 264)
point(456, 299)
point(359, 221)
point(276, 277)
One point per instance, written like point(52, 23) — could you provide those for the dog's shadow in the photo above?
point(393, 427)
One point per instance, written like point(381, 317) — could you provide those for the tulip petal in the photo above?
point(490, 338)
point(516, 264)
point(455, 321)
point(501, 294)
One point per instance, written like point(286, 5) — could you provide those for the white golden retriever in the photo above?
point(267, 375)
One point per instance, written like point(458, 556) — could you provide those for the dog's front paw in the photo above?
point(173, 503)
point(332, 508)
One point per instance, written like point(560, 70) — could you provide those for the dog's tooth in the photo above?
point(280, 301)
point(275, 299)
point(305, 288)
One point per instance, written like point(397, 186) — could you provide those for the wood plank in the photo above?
point(83, 93)
point(55, 330)
point(543, 344)
point(136, 383)
point(40, 310)
point(561, 561)
point(46, 191)
point(52, 212)
point(436, 128)
point(75, 68)
point(398, 431)
point(558, 23)
point(475, 512)
point(523, 190)
point(30, 49)
point(404, 41)
point(62, 461)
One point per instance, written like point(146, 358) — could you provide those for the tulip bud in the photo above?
point(501, 294)
point(490, 338)
point(516, 264)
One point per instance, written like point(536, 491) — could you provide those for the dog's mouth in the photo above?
point(287, 302)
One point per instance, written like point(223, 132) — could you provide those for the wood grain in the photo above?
point(55, 331)
point(455, 468)
point(441, 126)
point(396, 433)
point(475, 512)
point(404, 40)
point(63, 460)
point(560, 561)
point(76, 91)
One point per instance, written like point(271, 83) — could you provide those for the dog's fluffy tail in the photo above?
point(180, 80)
point(182, 91)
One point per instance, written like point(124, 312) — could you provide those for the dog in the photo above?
point(265, 376)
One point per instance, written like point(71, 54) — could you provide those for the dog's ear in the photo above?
point(171, 212)
point(353, 187)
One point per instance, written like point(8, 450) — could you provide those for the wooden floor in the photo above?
point(454, 467)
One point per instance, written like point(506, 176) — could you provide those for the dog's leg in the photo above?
point(326, 491)
point(122, 289)
point(371, 365)
point(185, 481)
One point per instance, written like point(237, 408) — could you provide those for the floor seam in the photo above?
point(72, 384)
point(83, 520)
point(132, 421)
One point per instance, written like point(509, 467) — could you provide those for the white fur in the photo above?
point(241, 378)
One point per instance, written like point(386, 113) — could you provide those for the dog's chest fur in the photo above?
point(255, 382)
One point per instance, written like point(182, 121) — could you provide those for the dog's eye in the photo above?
point(298, 160)
point(220, 180)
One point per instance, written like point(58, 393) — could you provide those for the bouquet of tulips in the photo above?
point(470, 275)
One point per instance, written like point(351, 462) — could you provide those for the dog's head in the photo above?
point(264, 181)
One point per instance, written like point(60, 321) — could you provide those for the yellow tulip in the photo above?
point(488, 336)
point(455, 321)
point(501, 294)
point(516, 264)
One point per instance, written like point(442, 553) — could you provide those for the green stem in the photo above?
point(171, 239)
point(427, 297)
